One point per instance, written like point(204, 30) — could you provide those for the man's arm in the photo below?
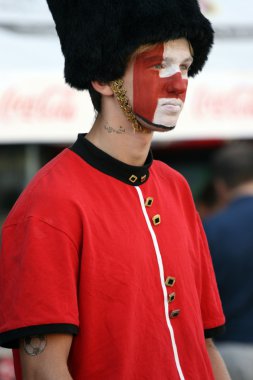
point(219, 368)
point(44, 357)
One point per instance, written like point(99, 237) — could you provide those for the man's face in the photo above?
point(159, 83)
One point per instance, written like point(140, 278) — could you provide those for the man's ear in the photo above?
point(102, 88)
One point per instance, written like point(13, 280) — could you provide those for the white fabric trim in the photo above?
point(161, 271)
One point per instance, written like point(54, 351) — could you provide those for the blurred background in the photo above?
point(40, 115)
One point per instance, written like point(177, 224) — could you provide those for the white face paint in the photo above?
point(168, 70)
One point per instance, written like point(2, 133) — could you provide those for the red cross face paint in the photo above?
point(160, 79)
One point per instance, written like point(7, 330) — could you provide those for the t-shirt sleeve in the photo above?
point(38, 281)
point(211, 308)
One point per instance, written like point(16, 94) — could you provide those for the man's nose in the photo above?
point(177, 85)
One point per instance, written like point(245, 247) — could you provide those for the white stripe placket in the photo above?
point(161, 271)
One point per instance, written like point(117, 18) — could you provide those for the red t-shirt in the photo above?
point(82, 254)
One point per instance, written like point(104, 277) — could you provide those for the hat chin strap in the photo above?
point(119, 91)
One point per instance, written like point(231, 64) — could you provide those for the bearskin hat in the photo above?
point(98, 36)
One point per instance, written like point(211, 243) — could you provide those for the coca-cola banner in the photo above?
point(42, 108)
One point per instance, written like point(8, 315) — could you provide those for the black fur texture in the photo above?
point(98, 36)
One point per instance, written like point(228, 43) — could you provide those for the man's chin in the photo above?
point(152, 126)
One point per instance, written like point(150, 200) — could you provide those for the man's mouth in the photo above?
point(172, 106)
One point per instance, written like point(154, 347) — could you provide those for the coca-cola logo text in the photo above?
point(234, 103)
point(54, 103)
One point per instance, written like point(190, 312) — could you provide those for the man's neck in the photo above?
point(120, 141)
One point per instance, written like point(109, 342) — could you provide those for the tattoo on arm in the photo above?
point(35, 345)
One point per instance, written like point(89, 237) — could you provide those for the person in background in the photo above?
point(230, 236)
point(104, 256)
point(207, 202)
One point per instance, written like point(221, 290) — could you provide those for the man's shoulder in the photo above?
point(173, 184)
point(49, 191)
point(166, 172)
point(53, 177)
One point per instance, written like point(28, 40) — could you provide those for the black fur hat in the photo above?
point(98, 36)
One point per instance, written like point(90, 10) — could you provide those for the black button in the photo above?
point(149, 201)
point(171, 297)
point(175, 313)
point(170, 281)
point(156, 220)
point(133, 178)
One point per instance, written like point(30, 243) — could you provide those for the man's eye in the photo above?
point(159, 66)
point(184, 67)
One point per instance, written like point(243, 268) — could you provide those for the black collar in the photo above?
point(132, 175)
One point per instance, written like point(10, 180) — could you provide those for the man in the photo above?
point(229, 232)
point(114, 275)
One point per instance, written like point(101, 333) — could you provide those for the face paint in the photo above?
point(159, 86)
